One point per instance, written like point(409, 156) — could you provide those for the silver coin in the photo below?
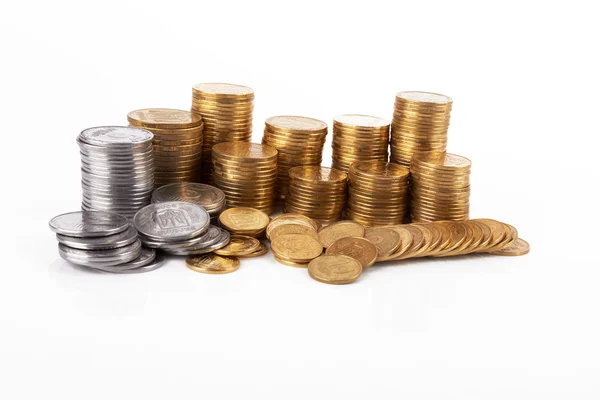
point(135, 159)
point(108, 257)
point(88, 224)
point(146, 257)
point(207, 196)
point(171, 221)
point(124, 136)
point(223, 241)
point(158, 262)
point(121, 239)
point(207, 238)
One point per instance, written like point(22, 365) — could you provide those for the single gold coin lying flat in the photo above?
point(212, 263)
point(356, 247)
point(339, 230)
point(288, 228)
point(518, 248)
point(240, 219)
point(296, 247)
point(239, 246)
point(336, 270)
point(386, 240)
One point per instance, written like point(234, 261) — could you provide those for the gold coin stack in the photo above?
point(317, 192)
point(377, 193)
point(227, 113)
point(299, 141)
point(440, 187)
point(357, 138)
point(420, 124)
point(177, 142)
point(246, 173)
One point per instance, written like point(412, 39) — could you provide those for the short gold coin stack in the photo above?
point(177, 142)
point(357, 138)
point(440, 187)
point(227, 113)
point(420, 123)
point(299, 141)
point(246, 173)
point(317, 192)
point(377, 193)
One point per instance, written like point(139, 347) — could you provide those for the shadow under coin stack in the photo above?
point(317, 192)
point(377, 193)
point(440, 187)
point(177, 142)
point(117, 167)
point(246, 173)
point(227, 113)
point(359, 138)
point(299, 141)
point(209, 197)
point(420, 124)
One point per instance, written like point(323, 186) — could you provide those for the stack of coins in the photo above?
point(377, 193)
point(317, 192)
point(209, 197)
point(179, 228)
point(440, 187)
point(227, 113)
point(117, 168)
point(102, 241)
point(177, 142)
point(246, 173)
point(420, 124)
point(244, 221)
point(358, 138)
point(299, 141)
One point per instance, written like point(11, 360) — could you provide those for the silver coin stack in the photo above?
point(117, 169)
point(179, 228)
point(207, 196)
point(103, 241)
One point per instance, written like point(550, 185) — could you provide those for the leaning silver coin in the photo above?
point(108, 257)
point(121, 239)
point(171, 221)
point(223, 241)
point(88, 223)
point(146, 257)
point(158, 262)
point(210, 236)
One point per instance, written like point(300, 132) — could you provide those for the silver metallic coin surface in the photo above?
point(158, 262)
point(211, 235)
point(223, 241)
point(207, 196)
point(115, 136)
point(120, 239)
point(171, 221)
point(146, 257)
point(85, 224)
point(108, 257)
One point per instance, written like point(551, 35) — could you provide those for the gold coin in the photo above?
point(258, 252)
point(318, 174)
point(223, 90)
point(288, 228)
point(163, 118)
point(239, 246)
point(293, 218)
point(291, 123)
point(336, 269)
point(291, 263)
point(358, 248)
point(296, 247)
point(518, 248)
point(243, 219)
point(386, 240)
point(329, 234)
point(212, 263)
point(498, 232)
point(244, 151)
point(418, 241)
point(406, 241)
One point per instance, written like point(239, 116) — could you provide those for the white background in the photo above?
point(524, 79)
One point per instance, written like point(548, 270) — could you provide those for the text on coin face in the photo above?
point(168, 219)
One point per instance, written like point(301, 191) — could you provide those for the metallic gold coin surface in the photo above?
point(386, 240)
point(291, 219)
point(243, 219)
point(163, 118)
point(358, 248)
point(518, 248)
point(212, 263)
point(239, 246)
point(296, 247)
point(263, 249)
point(335, 270)
point(331, 233)
point(293, 228)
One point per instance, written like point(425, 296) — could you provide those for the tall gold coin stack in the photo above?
point(227, 113)
point(440, 187)
point(246, 173)
point(420, 124)
point(317, 192)
point(299, 141)
point(357, 138)
point(377, 193)
point(177, 142)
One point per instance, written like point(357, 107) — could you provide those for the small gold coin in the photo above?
point(212, 263)
point(293, 228)
point(290, 218)
point(518, 248)
point(336, 270)
point(239, 246)
point(296, 247)
point(259, 252)
point(338, 230)
point(244, 219)
point(386, 240)
point(356, 247)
